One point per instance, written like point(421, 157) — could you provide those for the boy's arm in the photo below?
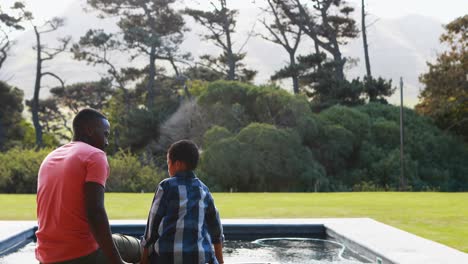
point(156, 213)
point(98, 221)
point(215, 228)
point(219, 252)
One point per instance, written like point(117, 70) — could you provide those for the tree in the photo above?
point(221, 24)
point(80, 95)
point(43, 54)
point(328, 23)
point(11, 100)
point(8, 23)
point(96, 47)
point(152, 28)
point(53, 119)
point(66, 101)
point(445, 94)
point(377, 89)
point(288, 36)
point(318, 81)
point(202, 73)
point(364, 40)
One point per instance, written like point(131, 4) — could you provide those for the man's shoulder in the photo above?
point(84, 147)
point(85, 152)
point(77, 152)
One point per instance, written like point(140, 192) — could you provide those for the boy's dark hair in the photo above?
point(185, 151)
point(84, 118)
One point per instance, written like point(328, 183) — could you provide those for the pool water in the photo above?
point(289, 251)
point(23, 255)
point(272, 250)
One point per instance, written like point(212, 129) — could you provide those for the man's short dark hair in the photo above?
point(184, 151)
point(84, 117)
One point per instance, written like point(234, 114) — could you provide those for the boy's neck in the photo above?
point(183, 173)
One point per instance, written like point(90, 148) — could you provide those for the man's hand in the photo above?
point(98, 221)
point(144, 256)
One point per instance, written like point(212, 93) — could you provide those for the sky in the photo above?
point(413, 49)
point(444, 11)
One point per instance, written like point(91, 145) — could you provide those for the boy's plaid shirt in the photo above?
point(183, 222)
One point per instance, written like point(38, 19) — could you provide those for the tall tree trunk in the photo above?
point(116, 139)
point(340, 67)
point(152, 75)
point(3, 52)
point(334, 46)
point(231, 59)
point(126, 100)
point(2, 133)
point(295, 78)
point(229, 52)
point(37, 88)
point(339, 60)
point(364, 39)
point(317, 48)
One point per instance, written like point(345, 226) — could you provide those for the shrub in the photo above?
point(235, 105)
point(128, 174)
point(262, 157)
point(351, 119)
point(19, 168)
point(214, 134)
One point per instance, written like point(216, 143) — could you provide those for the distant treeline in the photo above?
point(264, 139)
point(331, 134)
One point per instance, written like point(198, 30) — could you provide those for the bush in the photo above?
point(128, 174)
point(214, 134)
point(262, 157)
point(19, 168)
point(434, 160)
point(351, 119)
point(235, 105)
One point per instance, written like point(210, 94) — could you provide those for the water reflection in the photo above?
point(276, 250)
point(289, 251)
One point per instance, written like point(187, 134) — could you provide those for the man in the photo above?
point(72, 222)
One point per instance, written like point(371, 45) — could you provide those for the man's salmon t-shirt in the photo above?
point(63, 231)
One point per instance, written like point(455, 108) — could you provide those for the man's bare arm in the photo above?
point(98, 221)
point(144, 256)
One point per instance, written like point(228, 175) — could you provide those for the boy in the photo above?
point(183, 222)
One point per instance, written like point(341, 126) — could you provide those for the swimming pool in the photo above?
point(277, 250)
point(377, 241)
point(261, 243)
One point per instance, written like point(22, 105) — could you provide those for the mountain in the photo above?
point(398, 47)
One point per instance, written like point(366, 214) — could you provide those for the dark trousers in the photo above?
point(96, 257)
point(128, 247)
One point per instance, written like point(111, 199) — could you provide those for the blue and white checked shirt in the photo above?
point(183, 222)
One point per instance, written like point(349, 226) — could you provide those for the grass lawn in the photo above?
point(442, 217)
